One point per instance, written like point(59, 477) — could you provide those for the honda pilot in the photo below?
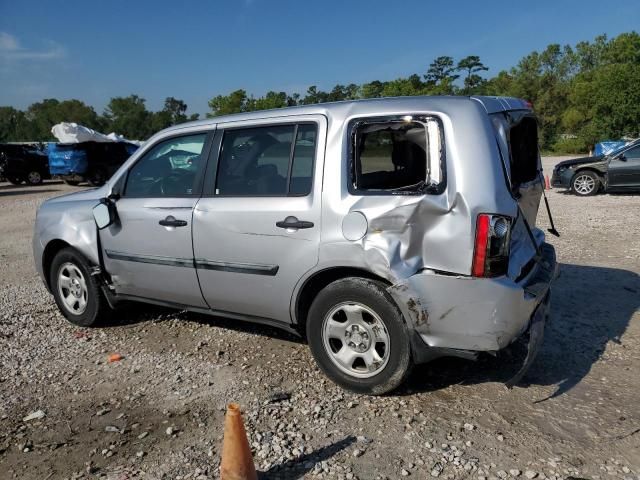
point(387, 232)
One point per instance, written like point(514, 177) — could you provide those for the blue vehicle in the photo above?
point(93, 162)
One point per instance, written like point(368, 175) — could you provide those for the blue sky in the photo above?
point(195, 50)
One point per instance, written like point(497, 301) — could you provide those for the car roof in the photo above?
point(387, 105)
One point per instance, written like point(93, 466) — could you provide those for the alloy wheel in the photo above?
point(584, 184)
point(72, 287)
point(356, 340)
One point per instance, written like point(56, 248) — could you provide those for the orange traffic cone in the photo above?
point(547, 183)
point(237, 461)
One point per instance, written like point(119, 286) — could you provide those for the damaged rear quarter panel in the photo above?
point(410, 233)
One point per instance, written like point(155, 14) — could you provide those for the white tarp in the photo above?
point(67, 132)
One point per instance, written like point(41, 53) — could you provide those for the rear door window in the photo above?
point(274, 160)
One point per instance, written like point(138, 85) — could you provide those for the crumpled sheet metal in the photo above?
point(407, 233)
point(463, 312)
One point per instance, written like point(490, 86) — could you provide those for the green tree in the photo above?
point(173, 113)
point(41, 116)
point(441, 76)
point(471, 65)
point(314, 96)
point(236, 102)
point(372, 89)
point(129, 116)
point(14, 126)
point(269, 101)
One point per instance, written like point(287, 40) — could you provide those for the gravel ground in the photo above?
point(158, 413)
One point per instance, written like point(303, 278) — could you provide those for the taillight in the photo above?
point(491, 249)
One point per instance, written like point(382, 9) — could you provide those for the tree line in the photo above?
point(127, 116)
point(582, 94)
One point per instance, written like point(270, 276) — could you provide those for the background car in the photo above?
point(618, 171)
point(24, 162)
point(93, 162)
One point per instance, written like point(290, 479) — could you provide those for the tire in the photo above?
point(585, 183)
point(34, 178)
point(73, 183)
point(15, 180)
point(365, 366)
point(97, 177)
point(70, 264)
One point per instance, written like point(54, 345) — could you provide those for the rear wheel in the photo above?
point(34, 178)
point(76, 291)
point(358, 336)
point(585, 183)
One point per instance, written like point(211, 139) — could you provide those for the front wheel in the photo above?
point(34, 178)
point(585, 183)
point(76, 291)
point(358, 336)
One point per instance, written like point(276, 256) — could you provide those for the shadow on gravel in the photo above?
point(299, 467)
point(133, 313)
point(30, 191)
point(46, 183)
point(591, 306)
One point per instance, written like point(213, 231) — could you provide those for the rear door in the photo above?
point(148, 252)
point(624, 169)
point(257, 228)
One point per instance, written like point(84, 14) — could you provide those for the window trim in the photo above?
point(352, 165)
point(206, 148)
point(213, 167)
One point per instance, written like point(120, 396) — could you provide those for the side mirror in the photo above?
point(104, 213)
point(621, 157)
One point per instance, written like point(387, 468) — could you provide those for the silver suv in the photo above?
point(388, 232)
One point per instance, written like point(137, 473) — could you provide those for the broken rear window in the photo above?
point(399, 155)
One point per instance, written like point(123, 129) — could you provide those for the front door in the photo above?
point(624, 170)
point(257, 229)
point(148, 251)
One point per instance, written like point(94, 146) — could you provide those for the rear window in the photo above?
point(397, 155)
point(523, 142)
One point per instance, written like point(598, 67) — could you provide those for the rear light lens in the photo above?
point(491, 249)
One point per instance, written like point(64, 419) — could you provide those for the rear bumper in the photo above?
point(474, 314)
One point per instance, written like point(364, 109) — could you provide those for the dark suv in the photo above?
point(618, 171)
point(24, 162)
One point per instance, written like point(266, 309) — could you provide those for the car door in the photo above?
point(148, 251)
point(257, 226)
point(624, 169)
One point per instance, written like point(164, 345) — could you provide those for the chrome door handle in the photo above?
point(171, 221)
point(293, 222)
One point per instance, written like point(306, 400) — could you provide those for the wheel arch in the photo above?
point(50, 251)
point(319, 280)
point(600, 174)
point(602, 178)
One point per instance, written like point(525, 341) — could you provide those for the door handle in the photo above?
point(293, 222)
point(171, 221)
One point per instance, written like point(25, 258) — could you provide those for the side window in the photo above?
point(632, 154)
point(169, 169)
point(265, 161)
point(400, 155)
